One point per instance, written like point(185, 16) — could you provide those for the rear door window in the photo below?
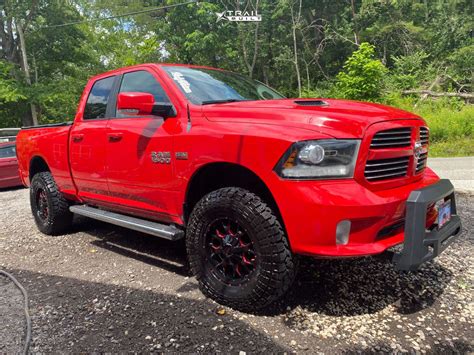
point(8, 152)
point(96, 105)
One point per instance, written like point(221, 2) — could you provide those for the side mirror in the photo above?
point(143, 103)
point(135, 103)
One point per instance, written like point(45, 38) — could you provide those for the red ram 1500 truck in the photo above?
point(251, 179)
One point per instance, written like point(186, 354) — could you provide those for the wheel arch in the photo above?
point(217, 175)
point(37, 165)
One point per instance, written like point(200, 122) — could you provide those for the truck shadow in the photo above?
point(350, 287)
point(337, 287)
point(73, 315)
point(12, 188)
point(153, 251)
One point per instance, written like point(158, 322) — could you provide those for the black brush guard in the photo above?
point(421, 245)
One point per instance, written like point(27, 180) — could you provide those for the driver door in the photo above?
point(138, 183)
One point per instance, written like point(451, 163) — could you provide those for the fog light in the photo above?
point(342, 232)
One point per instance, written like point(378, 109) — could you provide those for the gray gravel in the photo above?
point(103, 288)
point(12, 324)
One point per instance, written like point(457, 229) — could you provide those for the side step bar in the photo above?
point(141, 225)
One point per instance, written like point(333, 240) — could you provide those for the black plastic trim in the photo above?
point(51, 125)
point(422, 245)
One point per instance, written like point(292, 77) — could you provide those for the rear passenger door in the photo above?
point(138, 182)
point(88, 142)
point(9, 175)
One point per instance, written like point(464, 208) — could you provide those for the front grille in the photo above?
point(421, 164)
point(386, 168)
point(424, 135)
point(392, 138)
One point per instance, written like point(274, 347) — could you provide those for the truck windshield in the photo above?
point(208, 86)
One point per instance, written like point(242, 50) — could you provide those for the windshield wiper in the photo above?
point(220, 101)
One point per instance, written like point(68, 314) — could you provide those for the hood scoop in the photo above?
point(311, 103)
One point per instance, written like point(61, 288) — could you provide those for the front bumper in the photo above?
point(421, 245)
point(312, 210)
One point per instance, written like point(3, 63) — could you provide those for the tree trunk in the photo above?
point(250, 64)
point(295, 22)
point(356, 34)
point(33, 116)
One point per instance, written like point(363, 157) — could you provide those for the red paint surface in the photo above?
point(9, 176)
point(119, 174)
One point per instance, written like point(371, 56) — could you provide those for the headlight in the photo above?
point(319, 159)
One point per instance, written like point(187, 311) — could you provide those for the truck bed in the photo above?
point(48, 143)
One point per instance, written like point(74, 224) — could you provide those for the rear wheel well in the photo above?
point(218, 175)
point(37, 165)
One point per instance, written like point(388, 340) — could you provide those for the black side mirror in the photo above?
point(163, 109)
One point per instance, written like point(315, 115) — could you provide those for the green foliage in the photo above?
point(415, 45)
point(362, 75)
point(453, 148)
point(462, 65)
point(10, 89)
point(408, 71)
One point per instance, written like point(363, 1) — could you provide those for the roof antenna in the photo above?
point(188, 128)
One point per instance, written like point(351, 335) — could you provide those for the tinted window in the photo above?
point(204, 86)
point(97, 101)
point(143, 81)
point(8, 152)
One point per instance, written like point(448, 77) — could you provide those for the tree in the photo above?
point(15, 19)
point(362, 75)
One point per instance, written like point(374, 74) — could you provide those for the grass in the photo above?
point(450, 121)
point(460, 148)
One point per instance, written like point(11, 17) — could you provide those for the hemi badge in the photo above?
point(181, 155)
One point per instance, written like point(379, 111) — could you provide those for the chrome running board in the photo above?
point(169, 232)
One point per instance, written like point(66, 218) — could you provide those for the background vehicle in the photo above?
point(249, 178)
point(8, 134)
point(9, 176)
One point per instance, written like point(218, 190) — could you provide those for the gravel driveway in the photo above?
point(103, 288)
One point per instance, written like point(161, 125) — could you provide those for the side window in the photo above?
point(143, 81)
point(8, 152)
point(96, 105)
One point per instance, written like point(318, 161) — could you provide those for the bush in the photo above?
point(462, 64)
point(362, 75)
point(324, 89)
point(408, 71)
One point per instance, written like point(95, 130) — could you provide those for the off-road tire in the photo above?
point(277, 266)
point(59, 218)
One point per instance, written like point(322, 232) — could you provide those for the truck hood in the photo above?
point(336, 118)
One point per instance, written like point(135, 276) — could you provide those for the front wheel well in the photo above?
point(218, 175)
point(37, 165)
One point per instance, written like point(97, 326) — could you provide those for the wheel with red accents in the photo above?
point(238, 250)
point(49, 207)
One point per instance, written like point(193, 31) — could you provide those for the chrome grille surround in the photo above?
point(396, 161)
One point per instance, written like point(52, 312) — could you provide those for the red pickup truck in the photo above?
point(249, 178)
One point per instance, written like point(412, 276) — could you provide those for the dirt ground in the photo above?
point(104, 288)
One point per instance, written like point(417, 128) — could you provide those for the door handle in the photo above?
point(114, 137)
point(76, 138)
